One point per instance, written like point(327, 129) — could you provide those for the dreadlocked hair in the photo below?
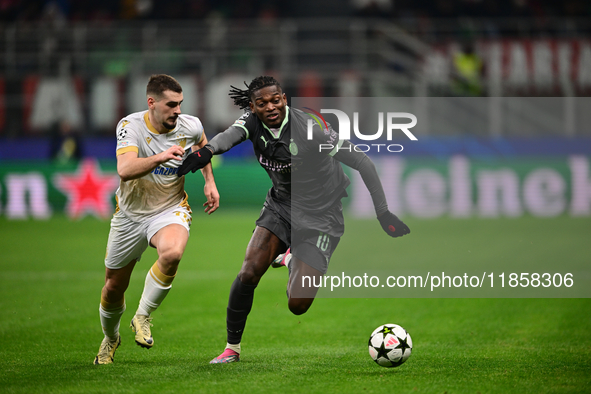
point(242, 97)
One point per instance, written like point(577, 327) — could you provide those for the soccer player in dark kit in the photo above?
point(302, 221)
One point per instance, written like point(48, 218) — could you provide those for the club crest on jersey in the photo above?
point(293, 148)
point(182, 142)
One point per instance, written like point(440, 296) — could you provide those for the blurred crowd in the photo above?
point(107, 10)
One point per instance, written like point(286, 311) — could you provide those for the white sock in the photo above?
point(235, 347)
point(111, 317)
point(156, 288)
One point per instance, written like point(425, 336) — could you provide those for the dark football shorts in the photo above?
point(314, 248)
point(275, 217)
point(314, 238)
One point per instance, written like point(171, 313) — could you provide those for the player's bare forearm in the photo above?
point(129, 166)
point(207, 173)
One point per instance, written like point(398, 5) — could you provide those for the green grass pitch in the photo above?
point(52, 273)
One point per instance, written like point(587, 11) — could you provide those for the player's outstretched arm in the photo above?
point(393, 226)
point(219, 144)
point(195, 161)
point(359, 161)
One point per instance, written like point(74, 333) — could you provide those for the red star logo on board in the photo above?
point(88, 190)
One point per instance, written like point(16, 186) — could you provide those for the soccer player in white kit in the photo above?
point(152, 208)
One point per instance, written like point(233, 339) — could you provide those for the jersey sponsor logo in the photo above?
point(275, 166)
point(164, 171)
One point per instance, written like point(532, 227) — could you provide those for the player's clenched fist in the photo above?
point(195, 161)
point(393, 226)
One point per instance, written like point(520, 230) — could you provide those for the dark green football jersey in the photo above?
point(300, 171)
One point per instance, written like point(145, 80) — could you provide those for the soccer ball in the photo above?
point(390, 345)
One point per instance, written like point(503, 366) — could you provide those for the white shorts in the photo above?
point(129, 239)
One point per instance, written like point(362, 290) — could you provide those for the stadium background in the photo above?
point(69, 72)
point(500, 89)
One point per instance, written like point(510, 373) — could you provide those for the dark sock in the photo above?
point(239, 305)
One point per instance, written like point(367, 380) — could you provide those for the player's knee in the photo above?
point(251, 272)
point(171, 256)
point(248, 276)
point(113, 291)
point(299, 306)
